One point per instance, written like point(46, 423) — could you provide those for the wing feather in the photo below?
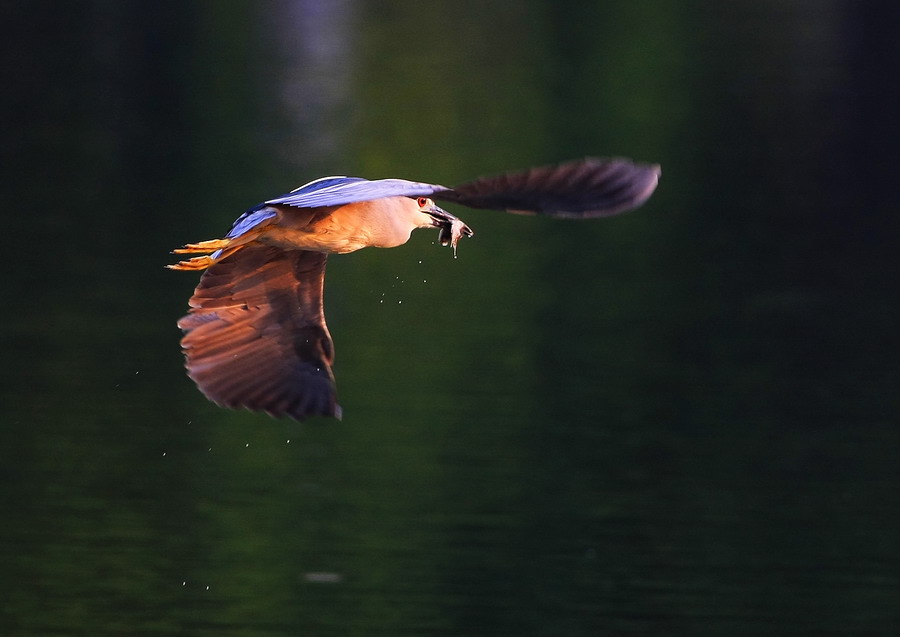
point(256, 337)
point(584, 188)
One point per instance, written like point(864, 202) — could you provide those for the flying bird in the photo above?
point(255, 335)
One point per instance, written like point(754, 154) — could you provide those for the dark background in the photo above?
point(681, 421)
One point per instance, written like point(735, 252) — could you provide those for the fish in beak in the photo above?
point(452, 228)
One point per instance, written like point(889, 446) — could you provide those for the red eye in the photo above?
point(422, 201)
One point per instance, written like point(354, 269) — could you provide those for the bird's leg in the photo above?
point(194, 263)
point(201, 263)
point(204, 246)
point(223, 248)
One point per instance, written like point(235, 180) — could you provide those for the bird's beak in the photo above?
point(452, 228)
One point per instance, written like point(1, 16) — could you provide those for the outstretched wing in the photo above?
point(256, 334)
point(580, 189)
point(589, 187)
point(337, 191)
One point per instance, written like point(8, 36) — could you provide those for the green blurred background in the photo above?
point(681, 421)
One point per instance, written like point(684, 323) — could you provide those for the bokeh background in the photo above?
point(680, 421)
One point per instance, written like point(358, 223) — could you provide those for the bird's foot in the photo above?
point(204, 246)
point(195, 263)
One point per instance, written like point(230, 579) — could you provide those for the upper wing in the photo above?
point(256, 334)
point(585, 188)
point(336, 191)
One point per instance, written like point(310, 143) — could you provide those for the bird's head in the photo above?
point(452, 228)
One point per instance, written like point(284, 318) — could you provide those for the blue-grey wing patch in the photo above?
point(336, 191)
point(251, 219)
point(248, 221)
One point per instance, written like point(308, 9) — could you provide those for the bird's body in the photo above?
point(256, 334)
point(379, 223)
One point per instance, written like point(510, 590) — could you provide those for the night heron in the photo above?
point(255, 335)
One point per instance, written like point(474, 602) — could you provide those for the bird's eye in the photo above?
point(422, 201)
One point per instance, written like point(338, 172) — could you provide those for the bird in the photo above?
point(255, 335)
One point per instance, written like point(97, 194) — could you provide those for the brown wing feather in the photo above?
point(584, 188)
point(256, 334)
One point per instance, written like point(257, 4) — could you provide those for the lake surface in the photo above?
point(680, 421)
